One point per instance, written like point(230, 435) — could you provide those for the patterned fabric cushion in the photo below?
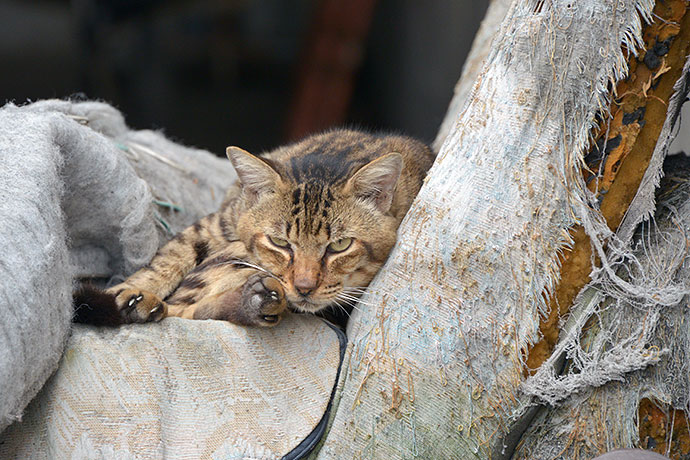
point(184, 389)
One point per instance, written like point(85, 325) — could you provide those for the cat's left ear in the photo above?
point(376, 180)
point(256, 175)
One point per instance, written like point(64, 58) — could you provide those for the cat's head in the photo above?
point(322, 224)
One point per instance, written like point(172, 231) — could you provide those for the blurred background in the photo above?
point(253, 73)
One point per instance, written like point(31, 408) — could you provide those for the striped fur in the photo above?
point(278, 238)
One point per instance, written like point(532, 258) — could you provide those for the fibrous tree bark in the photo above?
point(437, 362)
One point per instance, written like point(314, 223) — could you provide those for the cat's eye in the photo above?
point(340, 245)
point(280, 242)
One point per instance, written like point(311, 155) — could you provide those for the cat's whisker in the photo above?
point(350, 290)
point(244, 263)
point(349, 302)
point(352, 293)
point(343, 295)
point(356, 299)
point(355, 307)
point(336, 304)
point(361, 291)
point(344, 310)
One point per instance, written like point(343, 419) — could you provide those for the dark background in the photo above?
point(211, 73)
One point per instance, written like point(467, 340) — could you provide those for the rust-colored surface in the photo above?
point(664, 430)
point(575, 270)
point(638, 113)
point(646, 90)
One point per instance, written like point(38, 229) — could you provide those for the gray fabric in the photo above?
point(76, 199)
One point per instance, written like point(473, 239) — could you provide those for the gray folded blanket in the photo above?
point(81, 195)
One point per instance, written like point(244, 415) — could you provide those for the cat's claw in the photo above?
point(134, 299)
point(140, 306)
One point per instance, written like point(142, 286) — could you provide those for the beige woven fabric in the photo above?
point(181, 390)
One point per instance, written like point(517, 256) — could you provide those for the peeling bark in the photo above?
point(647, 408)
point(622, 150)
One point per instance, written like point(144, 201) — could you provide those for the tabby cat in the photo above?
point(307, 226)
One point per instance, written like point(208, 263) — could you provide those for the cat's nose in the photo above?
point(303, 292)
point(305, 286)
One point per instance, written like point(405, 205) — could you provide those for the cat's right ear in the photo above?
point(255, 174)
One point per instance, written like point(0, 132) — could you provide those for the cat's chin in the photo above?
point(306, 306)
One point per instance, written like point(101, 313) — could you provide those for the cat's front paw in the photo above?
point(263, 300)
point(137, 306)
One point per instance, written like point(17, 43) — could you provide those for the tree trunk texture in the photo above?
point(551, 136)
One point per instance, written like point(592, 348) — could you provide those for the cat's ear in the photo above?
point(255, 174)
point(376, 180)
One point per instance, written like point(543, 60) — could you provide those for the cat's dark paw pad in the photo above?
point(263, 298)
point(140, 306)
